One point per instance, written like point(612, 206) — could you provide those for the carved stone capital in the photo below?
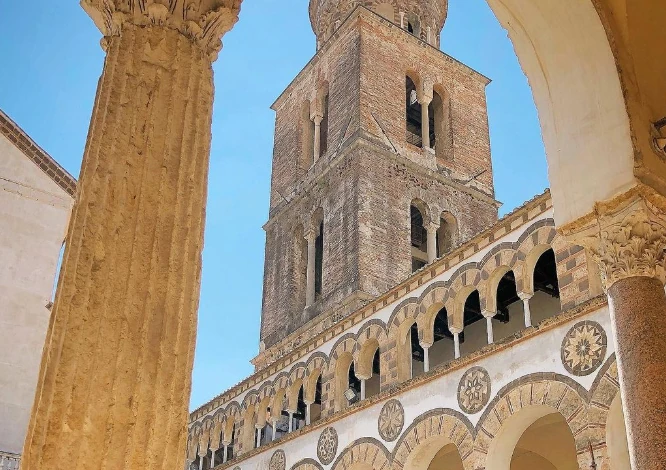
point(627, 236)
point(203, 21)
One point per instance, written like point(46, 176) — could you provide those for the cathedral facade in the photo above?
point(403, 324)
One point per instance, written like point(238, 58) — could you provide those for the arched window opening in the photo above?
point(299, 416)
point(414, 24)
point(447, 234)
point(323, 141)
point(319, 261)
point(474, 335)
point(230, 447)
point(546, 300)
point(419, 238)
point(413, 115)
point(547, 444)
point(441, 135)
point(307, 137)
point(267, 430)
point(417, 352)
point(354, 384)
point(315, 408)
point(372, 385)
point(441, 350)
point(509, 317)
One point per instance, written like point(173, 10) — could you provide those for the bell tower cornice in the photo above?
point(423, 18)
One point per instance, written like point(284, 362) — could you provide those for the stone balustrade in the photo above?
point(9, 461)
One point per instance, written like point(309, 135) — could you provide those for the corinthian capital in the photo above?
point(203, 21)
point(627, 236)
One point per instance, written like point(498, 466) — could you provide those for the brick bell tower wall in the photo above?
point(362, 185)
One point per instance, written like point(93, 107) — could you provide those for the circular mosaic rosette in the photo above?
point(584, 348)
point(327, 447)
point(391, 420)
point(474, 390)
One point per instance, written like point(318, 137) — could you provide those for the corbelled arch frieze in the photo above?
point(422, 310)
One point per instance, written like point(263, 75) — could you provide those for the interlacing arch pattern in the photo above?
point(366, 450)
point(282, 392)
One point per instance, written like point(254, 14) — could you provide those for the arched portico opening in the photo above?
point(435, 454)
point(441, 350)
point(509, 318)
point(546, 300)
point(616, 437)
point(537, 436)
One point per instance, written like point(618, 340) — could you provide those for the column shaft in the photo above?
point(310, 274)
point(432, 242)
point(317, 137)
point(426, 359)
point(456, 345)
point(638, 307)
point(114, 383)
point(489, 329)
point(425, 125)
point(362, 389)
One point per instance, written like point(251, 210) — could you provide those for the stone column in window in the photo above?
point(317, 119)
point(432, 228)
point(311, 237)
point(489, 325)
point(126, 308)
point(456, 340)
point(425, 121)
point(426, 356)
point(525, 297)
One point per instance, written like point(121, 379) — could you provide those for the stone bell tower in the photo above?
point(381, 162)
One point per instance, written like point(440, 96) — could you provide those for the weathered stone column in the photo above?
point(114, 383)
point(489, 325)
point(527, 313)
point(317, 118)
point(425, 122)
point(627, 239)
point(310, 293)
point(432, 228)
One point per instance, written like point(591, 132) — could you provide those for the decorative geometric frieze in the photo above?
point(327, 447)
point(391, 420)
point(278, 460)
point(474, 390)
point(584, 348)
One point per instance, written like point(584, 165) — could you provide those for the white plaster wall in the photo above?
point(540, 353)
point(34, 212)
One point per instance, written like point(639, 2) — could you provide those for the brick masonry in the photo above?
point(364, 184)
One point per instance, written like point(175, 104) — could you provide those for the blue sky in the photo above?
point(51, 61)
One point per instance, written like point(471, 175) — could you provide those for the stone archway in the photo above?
point(444, 435)
point(363, 454)
point(538, 398)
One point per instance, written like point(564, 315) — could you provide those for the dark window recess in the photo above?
point(545, 275)
point(412, 114)
point(376, 363)
point(319, 260)
point(354, 382)
point(417, 350)
point(506, 295)
point(419, 233)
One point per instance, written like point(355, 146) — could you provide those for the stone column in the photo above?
point(311, 237)
point(628, 239)
point(432, 228)
point(225, 452)
point(308, 411)
point(426, 357)
point(258, 441)
point(425, 122)
point(291, 420)
point(212, 458)
point(489, 325)
point(526, 307)
point(456, 341)
point(363, 388)
point(273, 428)
point(114, 383)
point(317, 118)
